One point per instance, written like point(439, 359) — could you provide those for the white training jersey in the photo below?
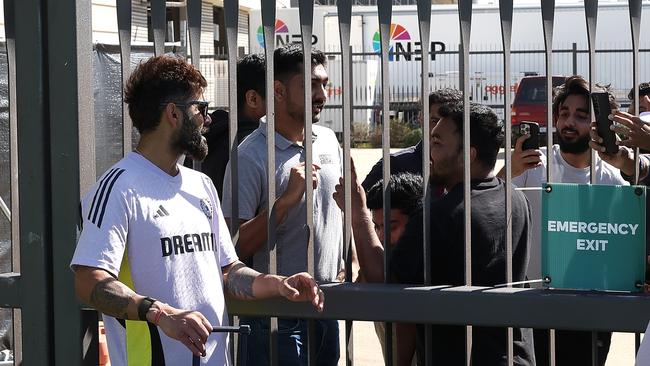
point(564, 172)
point(165, 237)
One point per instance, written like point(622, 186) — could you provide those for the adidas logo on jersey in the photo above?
point(161, 212)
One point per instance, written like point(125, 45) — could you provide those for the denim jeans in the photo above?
point(292, 342)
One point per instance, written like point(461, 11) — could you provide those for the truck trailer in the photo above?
point(570, 47)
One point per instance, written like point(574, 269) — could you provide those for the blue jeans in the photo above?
point(292, 342)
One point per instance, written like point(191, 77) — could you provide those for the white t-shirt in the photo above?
point(563, 172)
point(165, 237)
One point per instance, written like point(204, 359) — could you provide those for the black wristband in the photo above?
point(144, 307)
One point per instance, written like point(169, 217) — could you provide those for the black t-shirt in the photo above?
point(408, 160)
point(488, 266)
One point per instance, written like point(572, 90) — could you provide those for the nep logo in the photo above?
point(397, 33)
point(282, 35)
point(401, 45)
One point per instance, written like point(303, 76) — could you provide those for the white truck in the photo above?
point(486, 60)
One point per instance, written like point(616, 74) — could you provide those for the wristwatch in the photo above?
point(144, 307)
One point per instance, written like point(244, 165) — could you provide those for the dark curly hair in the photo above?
point(287, 60)
point(577, 85)
point(644, 89)
point(486, 132)
point(156, 81)
point(445, 95)
point(405, 193)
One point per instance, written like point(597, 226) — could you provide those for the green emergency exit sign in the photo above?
point(593, 236)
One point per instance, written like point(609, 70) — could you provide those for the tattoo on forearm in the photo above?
point(111, 298)
point(239, 282)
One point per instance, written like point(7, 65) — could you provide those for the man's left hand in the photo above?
point(302, 287)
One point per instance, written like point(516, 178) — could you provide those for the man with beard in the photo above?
point(409, 160)
point(155, 255)
point(571, 161)
point(572, 155)
point(290, 209)
point(447, 235)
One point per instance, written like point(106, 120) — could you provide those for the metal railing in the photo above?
point(53, 160)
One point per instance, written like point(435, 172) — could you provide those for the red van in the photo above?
point(530, 101)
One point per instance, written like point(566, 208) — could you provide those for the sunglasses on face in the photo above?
point(201, 105)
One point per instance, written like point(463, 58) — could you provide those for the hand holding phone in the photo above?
point(532, 129)
point(602, 110)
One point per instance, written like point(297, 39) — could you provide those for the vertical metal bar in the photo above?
point(424, 21)
point(505, 10)
point(194, 30)
point(594, 349)
point(384, 9)
point(124, 34)
point(10, 36)
point(306, 13)
point(18, 335)
point(268, 23)
point(345, 24)
point(574, 55)
point(306, 21)
point(591, 16)
point(158, 25)
point(231, 19)
point(548, 18)
point(548, 15)
point(635, 28)
point(34, 179)
point(231, 22)
point(465, 20)
point(69, 114)
point(551, 347)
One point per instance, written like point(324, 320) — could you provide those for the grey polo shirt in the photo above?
point(291, 238)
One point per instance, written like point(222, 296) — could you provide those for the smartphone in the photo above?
point(602, 110)
point(532, 129)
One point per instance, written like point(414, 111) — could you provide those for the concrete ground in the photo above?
point(366, 349)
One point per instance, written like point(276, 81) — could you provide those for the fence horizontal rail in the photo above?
point(467, 305)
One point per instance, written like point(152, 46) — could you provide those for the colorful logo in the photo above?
point(280, 27)
point(397, 33)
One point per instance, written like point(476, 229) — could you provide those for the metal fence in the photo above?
point(53, 158)
point(486, 77)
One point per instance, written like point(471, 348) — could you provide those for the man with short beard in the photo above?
point(571, 164)
point(572, 155)
point(155, 255)
point(290, 208)
point(446, 242)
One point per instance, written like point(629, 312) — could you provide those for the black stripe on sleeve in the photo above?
point(108, 193)
point(100, 187)
point(94, 210)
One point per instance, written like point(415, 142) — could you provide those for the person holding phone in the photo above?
point(571, 160)
point(571, 155)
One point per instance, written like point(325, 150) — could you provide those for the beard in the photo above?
point(578, 146)
point(190, 140)
point(297, 112)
